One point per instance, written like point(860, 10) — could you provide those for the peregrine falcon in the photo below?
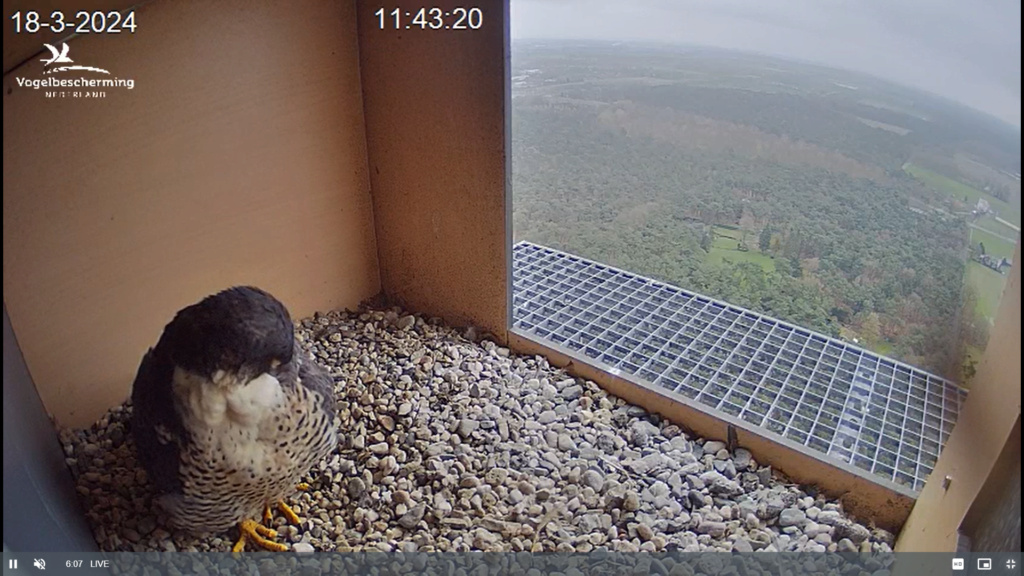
point(229, 413)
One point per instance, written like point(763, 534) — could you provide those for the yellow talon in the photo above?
point(252, 531)
point(289, 513)
point(268, 516)
point(303, 486)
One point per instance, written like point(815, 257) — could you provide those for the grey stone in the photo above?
point(844, 528)
point(792, 517)
point(593, 479)
point(644, 532)
point(589, 523)
point(741, 458)
point(566, 443)
point(719, 484)
point(467, 427)
point(713, 446)
point(410, 519)
point(742, 545)
point(714, 529)
point(772, 508)
point(572, 392)
point(846, 545)
point(811, 528)
point(829, 517)
point(696, 499)
point(356, 488)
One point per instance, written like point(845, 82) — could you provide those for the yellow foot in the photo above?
point(289, 513)
point(252, 531)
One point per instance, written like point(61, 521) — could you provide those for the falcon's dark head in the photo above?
point(242, 332)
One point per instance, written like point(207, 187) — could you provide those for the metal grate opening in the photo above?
point(876, 413)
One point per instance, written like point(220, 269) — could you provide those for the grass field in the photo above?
point(994, 245)
point(989, 286)
point(724, 248)
point(989, 223)
point(959, 191)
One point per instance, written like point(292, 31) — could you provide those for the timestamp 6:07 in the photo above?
point(431, 19)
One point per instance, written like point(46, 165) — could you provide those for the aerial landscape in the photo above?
point(871, 212)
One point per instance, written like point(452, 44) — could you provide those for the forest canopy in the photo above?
point(787, 204)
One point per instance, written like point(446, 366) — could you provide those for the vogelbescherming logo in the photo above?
point(75, 87)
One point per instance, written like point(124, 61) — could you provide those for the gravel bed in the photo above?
point(455, 445)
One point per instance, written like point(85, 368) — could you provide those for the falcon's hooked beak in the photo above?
point(230, 379)
point(227, 378)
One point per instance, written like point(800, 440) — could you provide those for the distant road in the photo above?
point(1010, 240)
point(1004, 222)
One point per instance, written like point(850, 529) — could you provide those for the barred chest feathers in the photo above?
point(250, 442)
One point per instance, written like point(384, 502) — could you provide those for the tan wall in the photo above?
point(239, 157)
point(435, 125)
point(993, 522)
point(983, 429)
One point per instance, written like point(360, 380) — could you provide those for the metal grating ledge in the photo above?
point(873, 412)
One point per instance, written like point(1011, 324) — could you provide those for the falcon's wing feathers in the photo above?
point(156, 425)
point(315, 377)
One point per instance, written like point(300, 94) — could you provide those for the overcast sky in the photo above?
point(966, 50)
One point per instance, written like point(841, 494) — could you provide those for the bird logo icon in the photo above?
point(57, 57)
point(61, 57)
